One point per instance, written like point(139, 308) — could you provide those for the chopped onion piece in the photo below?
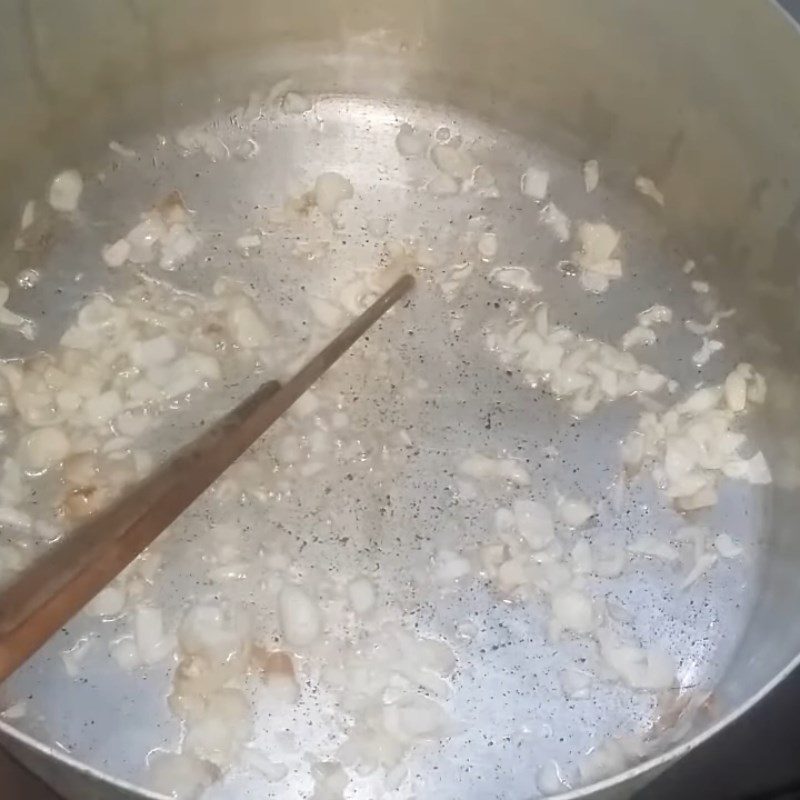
point(488, 246)
point(534, 183)
point(121, 150)
point(248, 242)
point(575, 511)
point(518, 278)
point(65, 191)
point(180, 775)
point(726, 547)
point(330, 190)
point(575, 683)
point(709, 347)
point(647, 187)
point(222, 729)
point(452, 161)
point(591, 175)
point(451, 567)
point(573, 610)
point(647, 544)
point(152, 643)
point(443, 185)
point(534, 522)
point(549, 779)
point(45, 447)
point(115, 255)
point(558, 222)
point(299, 615)
point(125, 653)
point(656, 314)
point(636, 337)
point(28, 215)
point(410, 142)
point(482, 467)
point(108, 602)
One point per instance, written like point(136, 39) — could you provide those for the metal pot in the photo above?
point(700, 97)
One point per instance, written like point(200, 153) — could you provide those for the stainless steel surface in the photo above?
point(702, 97)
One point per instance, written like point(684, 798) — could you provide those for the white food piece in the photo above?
point(299, 616)
point(488, 246)
point(454, 277)
point(482, 467)
point(558, 222)
point(648, 188)
point(452, 161)
point(115, 255)
point(125, 653)
point(222, 729)
point(708, 348)
point(65, 191)
point(691, 444)
point(754, 470)
point(736, 391)
point(443, 185)
point(44, 448)
point(647, 544)
point(176, 246)
point(534, 522)
point(143, 238)
point(248, 328)
point(591, 175)
point(482, 182)
point(194, 139)
point(534, 183)
point(28, 278)
point(575, 683)
point(179, 775)
point(654, 315)
point(602, 762)
point(296, 103)
point(549, 779)
point(451, 567)
point(28, 215)
point(594, 282)
point(273, 771)
point(361, 595)
point(330, 780)
point(701, 287)
point(16, 711)
point(584, 371)
point(73, 657)
point(649, 669)
point(518, 278)
point(689, 267)
point(152, 643)
point(638, 337)
point(154, 352)
point(411, 142)
point(599, 242)
point(330, 190)
point(248, 242)
point(726, 547)
point(573, 610)
point(108, 602)
point(121, 150)
point(574, 511)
